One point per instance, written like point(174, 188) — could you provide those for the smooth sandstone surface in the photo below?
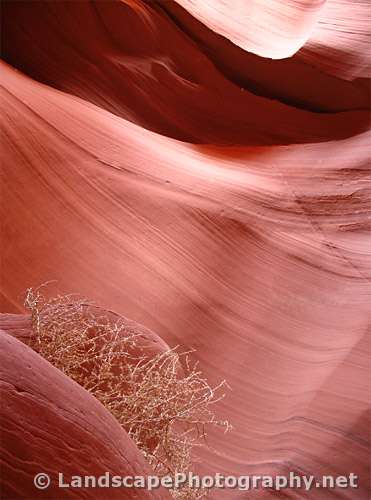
point(17, 325)
point(169, 83)
point(332, 35)
point(50, 424)
point(218, 197)
point(289, 80)
point(269, 28)
point(339, 43)
point(246, 255)
point(146, 344)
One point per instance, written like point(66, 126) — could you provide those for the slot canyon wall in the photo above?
point(202, 168)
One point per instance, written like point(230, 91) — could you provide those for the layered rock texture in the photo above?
point(202, 168)
point(51, 424)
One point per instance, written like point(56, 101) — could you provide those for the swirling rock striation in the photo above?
point(255, 254)
point(245, 254)
point(169, 84)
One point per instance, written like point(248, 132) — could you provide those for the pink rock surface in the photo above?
point(245, 254)
point(147, 343)
point(49, 424)
point(269, 28)
point(17, 325)
point(326, 34)
point(168, 84)
point(289, 80)
point(256, 254)
point(339, 43)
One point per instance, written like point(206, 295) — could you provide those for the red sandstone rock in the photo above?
point(329, 37)
point(50, 424)
point(147, 342)
point(168, 83)
point(17, 325)
point(288, 80)
point(258, 256)
point(269, 28)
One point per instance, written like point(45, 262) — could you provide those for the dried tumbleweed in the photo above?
point(162, 401)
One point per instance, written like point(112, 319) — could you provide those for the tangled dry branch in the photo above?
point(163, 401)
